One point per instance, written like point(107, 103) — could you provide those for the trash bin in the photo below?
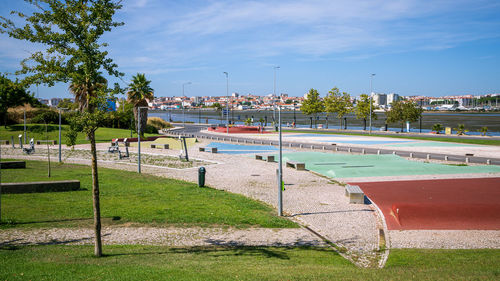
point(201, 176)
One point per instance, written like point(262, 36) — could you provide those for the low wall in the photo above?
point(13, 165)
point(40, 186)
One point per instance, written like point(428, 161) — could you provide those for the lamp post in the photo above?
point(139, 138)
point(182, 103)
point(60, 133)
point(371, 100)
point(274, 94)
point(280, 168)
point(227, 101)
point(24, 111)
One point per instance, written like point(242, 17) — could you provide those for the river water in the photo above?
point(472, 121)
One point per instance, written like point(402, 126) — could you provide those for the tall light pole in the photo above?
point(371, 99)
point(182, 103)
point(274, 93)
point(60, 133)
point(139, 138)
point(227, 101)
point(280, 168)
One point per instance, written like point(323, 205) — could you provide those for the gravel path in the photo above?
point(175, 237)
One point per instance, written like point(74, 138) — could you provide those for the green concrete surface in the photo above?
point(337, 165)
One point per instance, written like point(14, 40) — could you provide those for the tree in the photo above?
point(337, 103)
point(71, 32)
point(437, 128)
point(403, 111)
point(461, 129)
point(312, 104)
point(218, 108)
point(67, 103)
point(139, 92)
point(362, 109)
point(12, 94)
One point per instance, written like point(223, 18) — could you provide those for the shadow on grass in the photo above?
point(263, 251)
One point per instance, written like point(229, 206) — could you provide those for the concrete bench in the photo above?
point(355, 194)
point(4, 142)
point(13, 165)
point(40, 186)
point(296, 165)
point(469, 154)
point(162, 146)
point(53, 142)
point(209, 149)
point(202, 149)
point(268, 158)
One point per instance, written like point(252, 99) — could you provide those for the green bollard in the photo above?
point(201, 176)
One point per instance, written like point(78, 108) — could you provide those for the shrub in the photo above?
point(158, 123)
point(437, 128)
point(151, 129)
point(45, 116)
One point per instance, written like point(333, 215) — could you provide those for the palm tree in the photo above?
point(139, 92)
point(437, 128)
point(84, 90)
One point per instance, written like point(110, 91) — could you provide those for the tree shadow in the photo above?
point(330, 212)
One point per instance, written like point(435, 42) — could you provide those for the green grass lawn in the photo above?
point(483, 141)
point(238, 263)
point(37, 131)
point(128, 197)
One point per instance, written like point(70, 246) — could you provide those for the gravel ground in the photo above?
point(445, 239)
point(175, 237)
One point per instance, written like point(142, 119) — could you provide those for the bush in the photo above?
point(158, 123)
point(45, 116)
point(150, 129)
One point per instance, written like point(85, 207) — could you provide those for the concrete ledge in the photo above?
point(51, 142)
point(40, 186)
point(13, 165)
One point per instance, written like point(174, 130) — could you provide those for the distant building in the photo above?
point(53, 102)
point(392, 97)
point(379, 99)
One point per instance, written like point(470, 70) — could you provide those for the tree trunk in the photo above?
point(364, 124)
point(144, 118)
point(95, 198)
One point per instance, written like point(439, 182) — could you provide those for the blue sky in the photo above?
point(431, 48)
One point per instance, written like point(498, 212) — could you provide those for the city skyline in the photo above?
point(440, 48)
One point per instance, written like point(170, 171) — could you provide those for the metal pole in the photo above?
point(280, 180)
point(59, 135)
point(25, 125)
point(274, 94)
point(371, 99)
point(227, 101)
point(139, 139)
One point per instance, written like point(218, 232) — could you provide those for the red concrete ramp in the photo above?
point(438, 204)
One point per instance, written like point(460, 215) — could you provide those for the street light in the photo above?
point(371, 99)
point(139, 138)
point(227, 101)
point(182, 103)
point(274, 93)
point(60, 132)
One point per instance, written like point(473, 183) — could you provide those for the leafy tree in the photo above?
point(312, 104)
point(403, 111)
point(218, 108)
point(337, 103)
point(67, 103)
point(12, 94)
point(71, 31)
point(437, 128)
point(362, 109)
point(139, 92)
point(289, 101)
point(248, 122)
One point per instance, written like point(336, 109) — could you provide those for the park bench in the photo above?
point(469, 154)
point(114, 147)
point(51, 142)
point(41, 186)
point(202, 149)
point(13, 165)
point(163, 145)
point(297, 165)
point(355, 194)
point(125, 155)
point(268, 158)
point(30, 149)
